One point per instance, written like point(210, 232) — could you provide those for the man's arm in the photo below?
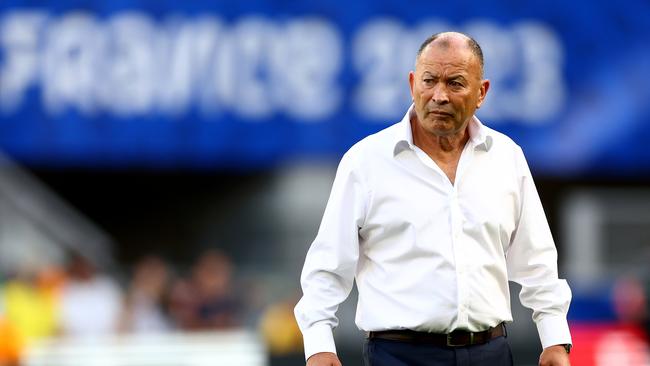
point(532, 262)
point(331, 262)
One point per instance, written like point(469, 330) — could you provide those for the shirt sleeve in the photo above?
point(330, 265)
point(532, 262)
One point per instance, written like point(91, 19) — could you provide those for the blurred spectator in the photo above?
point(90, 302)
point(9, 339)
point(10, 347)
point(218, 306)
point(254, 296)
point(30, 307)
point(144, 308)
point(206, 300)
point(281, 333)
point(183, 303)
point(631, 304)
point(630, 300)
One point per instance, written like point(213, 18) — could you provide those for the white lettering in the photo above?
point(71, 52)
point(251, 43)
point(382, 92)
point(306, 61)
point(174, 74)
point(130, 65)
point(523, 62)
point(19, 36)
point(208, 33)
point(544, 89)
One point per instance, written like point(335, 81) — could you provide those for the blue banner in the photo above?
point(201, 84)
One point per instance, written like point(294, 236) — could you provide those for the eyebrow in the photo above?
point(457, 76)
point(430, 74)
point(450, 77)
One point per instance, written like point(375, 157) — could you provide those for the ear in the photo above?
point(412, 83)
point(482, 92)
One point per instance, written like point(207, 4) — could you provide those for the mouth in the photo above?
point(440, 113)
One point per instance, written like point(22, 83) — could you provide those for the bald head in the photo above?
point(447, 39)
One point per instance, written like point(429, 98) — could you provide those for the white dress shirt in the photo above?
point(429, 255)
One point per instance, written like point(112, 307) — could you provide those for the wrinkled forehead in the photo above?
point(450, 55)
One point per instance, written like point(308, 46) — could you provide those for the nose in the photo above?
point(439, 95)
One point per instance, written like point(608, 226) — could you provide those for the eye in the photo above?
point(456, 84)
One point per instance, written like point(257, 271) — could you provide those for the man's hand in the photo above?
point(554, 356)
point(324, 359)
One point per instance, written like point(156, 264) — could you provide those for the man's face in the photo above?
point(446, 87)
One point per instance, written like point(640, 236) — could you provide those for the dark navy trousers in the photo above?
point(383, 352)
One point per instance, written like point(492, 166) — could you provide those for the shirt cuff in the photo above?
point(553, 329)
point(318, 338)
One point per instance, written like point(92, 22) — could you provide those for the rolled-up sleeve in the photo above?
point(532, 262)
point(330, 265)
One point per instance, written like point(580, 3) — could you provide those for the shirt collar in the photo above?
point(479, 135)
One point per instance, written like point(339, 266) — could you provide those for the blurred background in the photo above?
point(164, 165)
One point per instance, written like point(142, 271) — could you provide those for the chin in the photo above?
point(439, 130)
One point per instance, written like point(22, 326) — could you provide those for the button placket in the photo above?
point(461, 273)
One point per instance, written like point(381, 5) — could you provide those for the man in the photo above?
point(433, 216)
